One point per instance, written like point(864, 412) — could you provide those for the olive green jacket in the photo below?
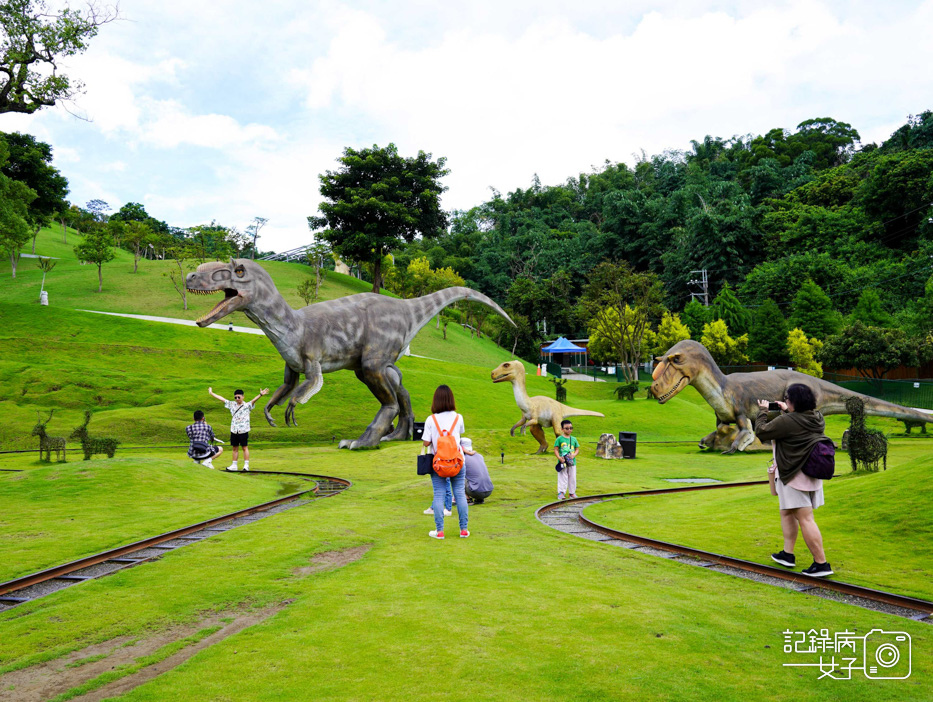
point(795, 434)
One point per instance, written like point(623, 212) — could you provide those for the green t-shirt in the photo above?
point(565, 445)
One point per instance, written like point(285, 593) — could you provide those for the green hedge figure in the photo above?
point(48, 443)
point(560, 390)
point(908, 426)
point(92, 444)
point(866, 446)
point(627, 391)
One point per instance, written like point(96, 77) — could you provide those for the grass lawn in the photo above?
point(517, 611)
point(877, 527)
point(54, 514)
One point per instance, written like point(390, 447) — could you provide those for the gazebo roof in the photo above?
point(562, 346)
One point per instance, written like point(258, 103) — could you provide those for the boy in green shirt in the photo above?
point(566, 448)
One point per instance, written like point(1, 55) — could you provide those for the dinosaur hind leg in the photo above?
point(314, 380)
point(406, 417)
point(283, 391)
point(379, 384)
point(538, 433)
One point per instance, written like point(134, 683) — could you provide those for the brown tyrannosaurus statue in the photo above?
point(538, 411)
point(734, 397)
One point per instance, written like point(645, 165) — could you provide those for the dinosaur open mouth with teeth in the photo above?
point(500, 378)
point(221, 307)
point(673, 391)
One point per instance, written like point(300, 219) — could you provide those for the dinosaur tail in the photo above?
point(881, 408)
point(573, 412)
point(424, 308)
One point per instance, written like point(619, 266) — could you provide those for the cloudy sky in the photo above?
point(226, 110)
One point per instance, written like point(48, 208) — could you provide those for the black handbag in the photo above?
point(425, 464)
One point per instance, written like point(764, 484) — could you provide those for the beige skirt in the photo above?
point(791, 498)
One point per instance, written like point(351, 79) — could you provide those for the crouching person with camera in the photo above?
point(802, 456)
point(201, 437)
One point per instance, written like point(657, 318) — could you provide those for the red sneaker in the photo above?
point(436, 534)
point(464, 534)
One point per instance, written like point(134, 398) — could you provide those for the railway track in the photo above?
point(36, 585)
point(567, 516)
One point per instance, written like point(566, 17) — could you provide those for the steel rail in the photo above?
point(65, 569)
point(867, 593)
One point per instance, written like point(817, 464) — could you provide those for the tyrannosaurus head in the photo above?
point(240, 281)
point(508, 371)
point(677, 368)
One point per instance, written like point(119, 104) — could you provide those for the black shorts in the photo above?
point(239, 439)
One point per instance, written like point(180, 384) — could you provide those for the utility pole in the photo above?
point(703, 284)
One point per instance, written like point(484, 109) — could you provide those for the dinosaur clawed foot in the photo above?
point(290, 415)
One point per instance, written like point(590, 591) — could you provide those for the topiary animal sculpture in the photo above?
point(866, 446)
point(92, 444)
point(48, 443)
point(560, 392)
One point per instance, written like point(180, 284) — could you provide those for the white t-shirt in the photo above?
point(445, 419)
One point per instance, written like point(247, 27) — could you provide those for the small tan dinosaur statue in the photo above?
point(538, 411)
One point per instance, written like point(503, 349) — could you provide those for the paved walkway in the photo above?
point(174, 320)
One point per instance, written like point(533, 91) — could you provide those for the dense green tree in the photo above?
point(898, 191)
point(726, 306)
point(872, 351)
point(869, 311)
point(813, 312)
point(670, 331)
point(376, 200)
point(803, 353)
point(694, 316)
point(15, 198)
point(34, 38)
point(30, 162)
point(767, 336)
point(725, 350)
point(619, 304)
point(97, 249)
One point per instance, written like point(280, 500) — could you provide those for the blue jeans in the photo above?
point(442, 487)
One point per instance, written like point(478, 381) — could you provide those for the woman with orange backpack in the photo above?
point(442, 431)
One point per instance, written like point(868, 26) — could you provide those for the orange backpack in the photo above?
point(447, 459)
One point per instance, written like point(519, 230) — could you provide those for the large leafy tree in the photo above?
point(725, 350)
point(869, 310)
point(619, 304)
point(378, 199)
point(695, 315)
point(30, 162)
point(813, 311)
point(872, 351)
point(767, 337)
point(33, 39)
point(727, 307)
point(15, 198)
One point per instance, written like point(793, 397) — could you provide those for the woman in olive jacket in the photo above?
point(794, 433)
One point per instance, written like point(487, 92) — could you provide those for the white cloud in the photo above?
point(271, 93)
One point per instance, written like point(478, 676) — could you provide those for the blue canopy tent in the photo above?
point(576, 354)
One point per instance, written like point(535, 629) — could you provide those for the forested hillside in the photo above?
point(764, 215)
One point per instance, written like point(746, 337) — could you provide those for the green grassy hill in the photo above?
point(541, 615)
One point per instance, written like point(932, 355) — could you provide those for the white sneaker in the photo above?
point(209, 463)
point(232, 467)
point(429, 510)
point(434, 534)
point(246, 466)
point(447, 513)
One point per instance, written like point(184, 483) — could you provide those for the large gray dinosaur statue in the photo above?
point(365, 333)
point(734, 397)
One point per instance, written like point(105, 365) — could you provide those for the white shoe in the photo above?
point(246, 466)
point(232, 467)
point(429, 510)
point(208, 463)
point(434, 534)
point(447, 513)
